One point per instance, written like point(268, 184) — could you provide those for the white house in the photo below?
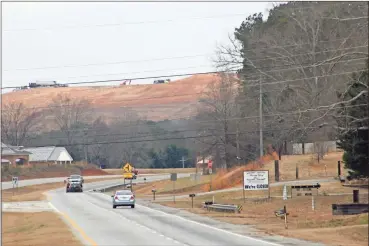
point(57, 155)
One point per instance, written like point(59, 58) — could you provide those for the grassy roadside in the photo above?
point(165, 187)
point(42, 229)
point(303, 222)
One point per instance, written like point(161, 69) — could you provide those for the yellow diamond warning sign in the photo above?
point(127, 168)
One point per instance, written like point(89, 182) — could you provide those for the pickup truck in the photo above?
point(75, 183)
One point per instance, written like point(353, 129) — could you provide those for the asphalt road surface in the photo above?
point(95, 222)
point(28, 182)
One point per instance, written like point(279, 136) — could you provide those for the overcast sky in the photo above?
point(122, 40)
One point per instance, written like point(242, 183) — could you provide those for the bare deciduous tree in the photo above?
point(218, 111)
point(303, 54)
point(68, 113)
point(17, 122)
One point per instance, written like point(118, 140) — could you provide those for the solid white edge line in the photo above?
point(212, 227)
point(134, 222)
point(205, 225)
point(53, 207)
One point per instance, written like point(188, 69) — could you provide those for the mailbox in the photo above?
point(192, 195)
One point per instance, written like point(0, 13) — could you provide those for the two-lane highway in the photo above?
point(149, 178)
point(102, 225)
point(95, 222)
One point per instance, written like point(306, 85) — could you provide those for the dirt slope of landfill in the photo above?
point(152, 101)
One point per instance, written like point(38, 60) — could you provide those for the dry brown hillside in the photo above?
point(155, 102)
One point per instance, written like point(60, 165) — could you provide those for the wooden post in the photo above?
point(355, 196)
point(243, 187)
point(285, 217)
point(276, 170)
point(269, 196)
point(339, 168)
point(174, 187)
point(297, 172)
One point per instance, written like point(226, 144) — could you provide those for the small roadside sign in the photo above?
point(173, 176)
point(15, 183)
point(127, 167)
point(285, 192)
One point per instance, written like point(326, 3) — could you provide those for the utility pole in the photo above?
point(238, 145)
point(183, 161)
point(261, 118)
point(86, 150)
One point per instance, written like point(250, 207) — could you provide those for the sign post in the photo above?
point(173, 177)
point(256, 180)
point(243, 190)
point(15, 183)
point(285, 217)
point(192, 196)
point(153, 193)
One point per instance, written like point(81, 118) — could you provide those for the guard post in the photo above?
point(173, 177)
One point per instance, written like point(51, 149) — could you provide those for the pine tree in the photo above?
point(352, 121)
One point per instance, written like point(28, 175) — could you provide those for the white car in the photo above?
point(123, 198)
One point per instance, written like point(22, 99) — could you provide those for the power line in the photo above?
point(148, 22)
point(301, 111)
point(124, 23)
point(202, 73)
point(109, 63)
point(154, 140)
point(177, 57)
point(136, 72)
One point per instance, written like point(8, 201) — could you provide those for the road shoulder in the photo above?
point(246, 230)
point(42, 229)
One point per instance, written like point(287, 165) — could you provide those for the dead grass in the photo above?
point(182, 185)
point(153, 171)
point(308, 166)
point(42, 229)
point(44, 171)
point(303, 222)
point(35, 192)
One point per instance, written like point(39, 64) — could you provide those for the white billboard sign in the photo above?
point(256, 180)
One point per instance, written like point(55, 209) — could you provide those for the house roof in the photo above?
point(5, 161)
point(12, 150)
point(49, 153)
point(200, 160)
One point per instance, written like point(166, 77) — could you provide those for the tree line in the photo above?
point(303, 69)
point(298, 76)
